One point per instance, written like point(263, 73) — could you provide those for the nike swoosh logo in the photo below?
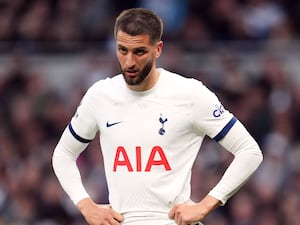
point(112, 124)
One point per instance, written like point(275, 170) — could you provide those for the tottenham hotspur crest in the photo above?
point(162, 120)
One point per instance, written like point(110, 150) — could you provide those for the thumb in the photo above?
point(171, 214)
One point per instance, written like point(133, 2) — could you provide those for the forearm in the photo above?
point(207, 204)
point(65, 167)
point(235, 176)
point(247, 157)
point(68, 175)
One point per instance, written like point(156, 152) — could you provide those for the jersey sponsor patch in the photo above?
point(219, 110)
point(157, 157)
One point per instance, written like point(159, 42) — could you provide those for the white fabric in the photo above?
point(247, 157)
point(146, 170)
point(65, 167)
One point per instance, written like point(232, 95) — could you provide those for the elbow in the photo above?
point(54, 159)
point(258, 152)
point(260, 156)
point(252, 155)
point(256, 155)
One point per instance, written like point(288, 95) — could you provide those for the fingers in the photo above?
point(114, 222)
point(175, 214)
point(171, 214)
point(112, 218)
point(182, 214)
point(178, 219)
point(117, 216)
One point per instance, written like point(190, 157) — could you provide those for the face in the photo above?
point(137, 59)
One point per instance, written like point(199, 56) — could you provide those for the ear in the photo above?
point(159, 47)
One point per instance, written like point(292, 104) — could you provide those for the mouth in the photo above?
point(131, 73)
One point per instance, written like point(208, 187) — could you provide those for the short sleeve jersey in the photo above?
point(150, 139)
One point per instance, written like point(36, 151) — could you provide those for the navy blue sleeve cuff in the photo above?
point(76, 136)
point(225, 130)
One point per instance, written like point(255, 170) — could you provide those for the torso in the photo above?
point(149, 140)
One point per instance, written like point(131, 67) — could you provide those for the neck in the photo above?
point(149, 81)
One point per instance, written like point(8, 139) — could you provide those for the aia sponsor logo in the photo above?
point(157, 157)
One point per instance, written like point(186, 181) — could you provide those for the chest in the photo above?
point(147, 119)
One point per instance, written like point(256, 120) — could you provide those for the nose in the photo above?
point(129, 60)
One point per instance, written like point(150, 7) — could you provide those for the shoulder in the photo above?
point(181, 82)
point(108, 84)
point(104, 89)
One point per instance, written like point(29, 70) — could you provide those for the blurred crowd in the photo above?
point(71, 25)
point(266, 99)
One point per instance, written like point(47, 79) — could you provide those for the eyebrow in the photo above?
point(134, 49)
point(141, 48)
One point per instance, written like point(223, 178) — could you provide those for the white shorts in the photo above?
point(149, 218)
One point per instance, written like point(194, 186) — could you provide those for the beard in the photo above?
point(141, 75)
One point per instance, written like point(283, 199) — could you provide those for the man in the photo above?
point(151, 124)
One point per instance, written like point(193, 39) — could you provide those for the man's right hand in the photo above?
point(97, 214)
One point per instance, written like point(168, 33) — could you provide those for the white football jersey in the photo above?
point(150, 139)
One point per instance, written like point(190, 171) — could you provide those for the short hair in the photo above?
point(138, 21)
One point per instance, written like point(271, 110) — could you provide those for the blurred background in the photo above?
point(51, 51)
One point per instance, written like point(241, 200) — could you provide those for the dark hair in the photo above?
point(137, 21)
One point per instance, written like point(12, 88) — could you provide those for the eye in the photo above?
point(122, 50)
point(140, 51)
